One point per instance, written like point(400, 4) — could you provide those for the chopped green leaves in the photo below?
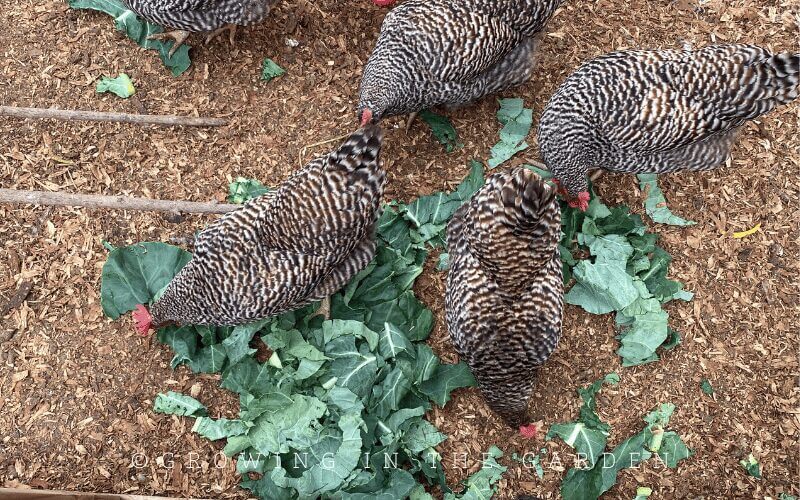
point(591, 482)
point(516, 120)
point(705, 386)
point(656, 204)
point(138, 30)
point(751, 466)
point(121, 86)
point(270, 70)
point(626, 274)
point(442, 129)
point(242, 190)
point(480, 485)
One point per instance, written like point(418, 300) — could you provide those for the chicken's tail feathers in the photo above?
point(786, 67)
point(360, 150)
point(513, 223)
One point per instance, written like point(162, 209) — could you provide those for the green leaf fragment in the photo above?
point(445, 380)
point(751, 466)
point(656, 204)
point(442, 129)
point(480, 485)
point(173, 403)
point(242, 190)
point(642, 493)
point(121, 86)
point(517, 121)
point(705, 386)
point(270, 70)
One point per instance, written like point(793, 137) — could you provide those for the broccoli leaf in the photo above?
point(442, 129)
point(133, 275)
point(656, 204)
point(173, 403)
point(270, 70)
point(139, 31)
point(121, 86)
point(517, 121)
point(242, 190)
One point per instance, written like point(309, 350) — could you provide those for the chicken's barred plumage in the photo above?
point(293, 246)
point(504, 289)
point(450, 52)
point(197, 16)
point(658, 111)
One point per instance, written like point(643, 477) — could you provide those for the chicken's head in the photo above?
point(579, 200)
point(142, 320)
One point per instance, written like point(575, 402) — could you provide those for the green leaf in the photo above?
point(642, 493)
point(219, 429)
point(242, 190)
point(270, 70)
point(442, 129)
point(480, 486)
point(445, 380)
point(430, 214)
point(422, 435)
point(589, 443)
point(516, 120)
point(673, 449)
point(751, 466)
point(656, 204)
point(133, 275)
point(173, 403)
point(121, 86)
point(138, 30)
point(705, 386)
point(601, 287)
point(393, 342)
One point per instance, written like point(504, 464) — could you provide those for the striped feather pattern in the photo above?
point(504, 290)
point(201, 15)
point(286, 249)
point(658, 111)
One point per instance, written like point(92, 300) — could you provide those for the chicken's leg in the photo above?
point(179, 36)
point(228, 27)
point(325, 308)
point(410, 120)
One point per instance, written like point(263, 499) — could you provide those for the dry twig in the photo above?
point(112, 202)
point(98, 116)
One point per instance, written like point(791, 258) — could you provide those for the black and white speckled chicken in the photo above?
point(659, 111)
point(450, 52)
point(504, 291)
point(184, 17)
point(288, 248)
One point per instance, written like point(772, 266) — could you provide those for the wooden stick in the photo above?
point(113, 202)
point(98, 116)
point(537, 164)
point(20, 494)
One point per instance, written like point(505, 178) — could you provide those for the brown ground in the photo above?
point(76, 388)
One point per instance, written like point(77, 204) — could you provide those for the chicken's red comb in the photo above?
point(529, 431)
point(142, 319)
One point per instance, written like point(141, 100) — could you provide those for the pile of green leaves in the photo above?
point(337, 409)
point(625, 273)
point(138, 30)
point(588, 436)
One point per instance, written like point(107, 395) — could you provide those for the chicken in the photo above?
point(658, 111)
point(450, 52)
point(288, 248)
point(184, 17)
point(504, 293)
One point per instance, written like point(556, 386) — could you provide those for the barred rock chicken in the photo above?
point(504, 290)
point(450, 52)
point(659, 111)
point(288, 248)
point(185, 17)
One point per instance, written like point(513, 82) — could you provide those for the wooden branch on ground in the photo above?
point(112, 202)
point(25, 494)
point(98, 116)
